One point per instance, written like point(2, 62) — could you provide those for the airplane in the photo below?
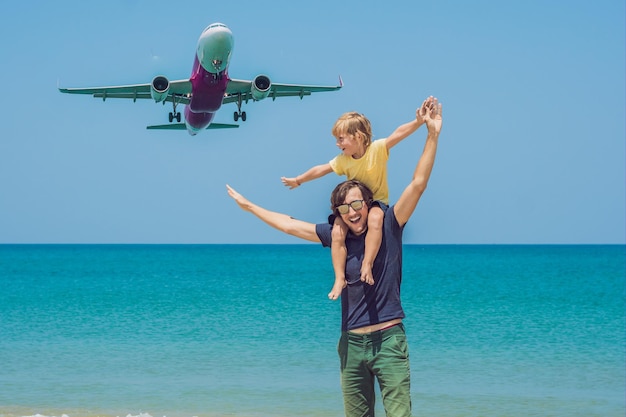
point(208, 87)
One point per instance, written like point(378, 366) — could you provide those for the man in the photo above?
point(373, 342)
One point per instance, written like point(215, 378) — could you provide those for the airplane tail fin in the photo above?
point(170, 126)
point(182, 126)
point(221, 126)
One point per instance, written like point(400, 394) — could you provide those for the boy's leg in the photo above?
point(373, 240)
point(339, 254)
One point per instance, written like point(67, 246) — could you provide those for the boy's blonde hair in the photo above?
point(354, 123)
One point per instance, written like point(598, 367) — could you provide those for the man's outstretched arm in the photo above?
point(279, 221)
point(411, 195)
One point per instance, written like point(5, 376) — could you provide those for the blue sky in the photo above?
point(532, 149)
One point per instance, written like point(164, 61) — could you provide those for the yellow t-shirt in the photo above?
point(370, 169)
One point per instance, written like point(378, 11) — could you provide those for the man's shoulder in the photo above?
point(390, 216)
point(323, 231)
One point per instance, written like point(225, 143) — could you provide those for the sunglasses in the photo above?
point(345, 208)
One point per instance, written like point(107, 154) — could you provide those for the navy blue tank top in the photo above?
point(363, 304)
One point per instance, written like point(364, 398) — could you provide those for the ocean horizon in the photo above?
point(206, 330)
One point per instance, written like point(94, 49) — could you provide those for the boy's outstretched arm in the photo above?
point(312, 174)
point(279, 221)
point(407, 129)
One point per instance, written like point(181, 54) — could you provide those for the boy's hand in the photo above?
point(420, 114)
point(433, 116)
point(290, 182)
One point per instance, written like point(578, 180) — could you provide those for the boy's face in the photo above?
point(350, 145)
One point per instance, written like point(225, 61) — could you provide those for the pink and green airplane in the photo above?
point(208, 87)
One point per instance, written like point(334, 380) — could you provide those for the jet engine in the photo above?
point(260, 87)
point(159, 88)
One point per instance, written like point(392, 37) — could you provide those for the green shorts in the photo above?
point(382, 355)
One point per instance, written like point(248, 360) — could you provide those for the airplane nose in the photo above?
point(214, 47)
point(217, 26)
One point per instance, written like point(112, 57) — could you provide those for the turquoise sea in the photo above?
point(247, 330)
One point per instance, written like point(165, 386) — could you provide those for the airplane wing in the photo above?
point(242, 88)
point(180, 90)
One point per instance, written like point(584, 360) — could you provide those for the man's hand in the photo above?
point(239, 199)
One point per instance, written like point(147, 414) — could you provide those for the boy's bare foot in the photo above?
point(337, 288)
point(366, 275)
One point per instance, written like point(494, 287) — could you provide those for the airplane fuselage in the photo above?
point(209, 76)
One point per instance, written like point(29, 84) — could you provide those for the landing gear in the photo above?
point(174, 115)
point(239, 113)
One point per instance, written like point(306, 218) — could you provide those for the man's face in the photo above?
point(355, 219)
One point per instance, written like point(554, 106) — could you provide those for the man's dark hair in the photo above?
point(338, 195)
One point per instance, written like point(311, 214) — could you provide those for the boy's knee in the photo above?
point(339, 229)
point(375, 216)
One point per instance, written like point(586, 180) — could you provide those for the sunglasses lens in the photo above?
point(357, 205)
point(345, 208)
